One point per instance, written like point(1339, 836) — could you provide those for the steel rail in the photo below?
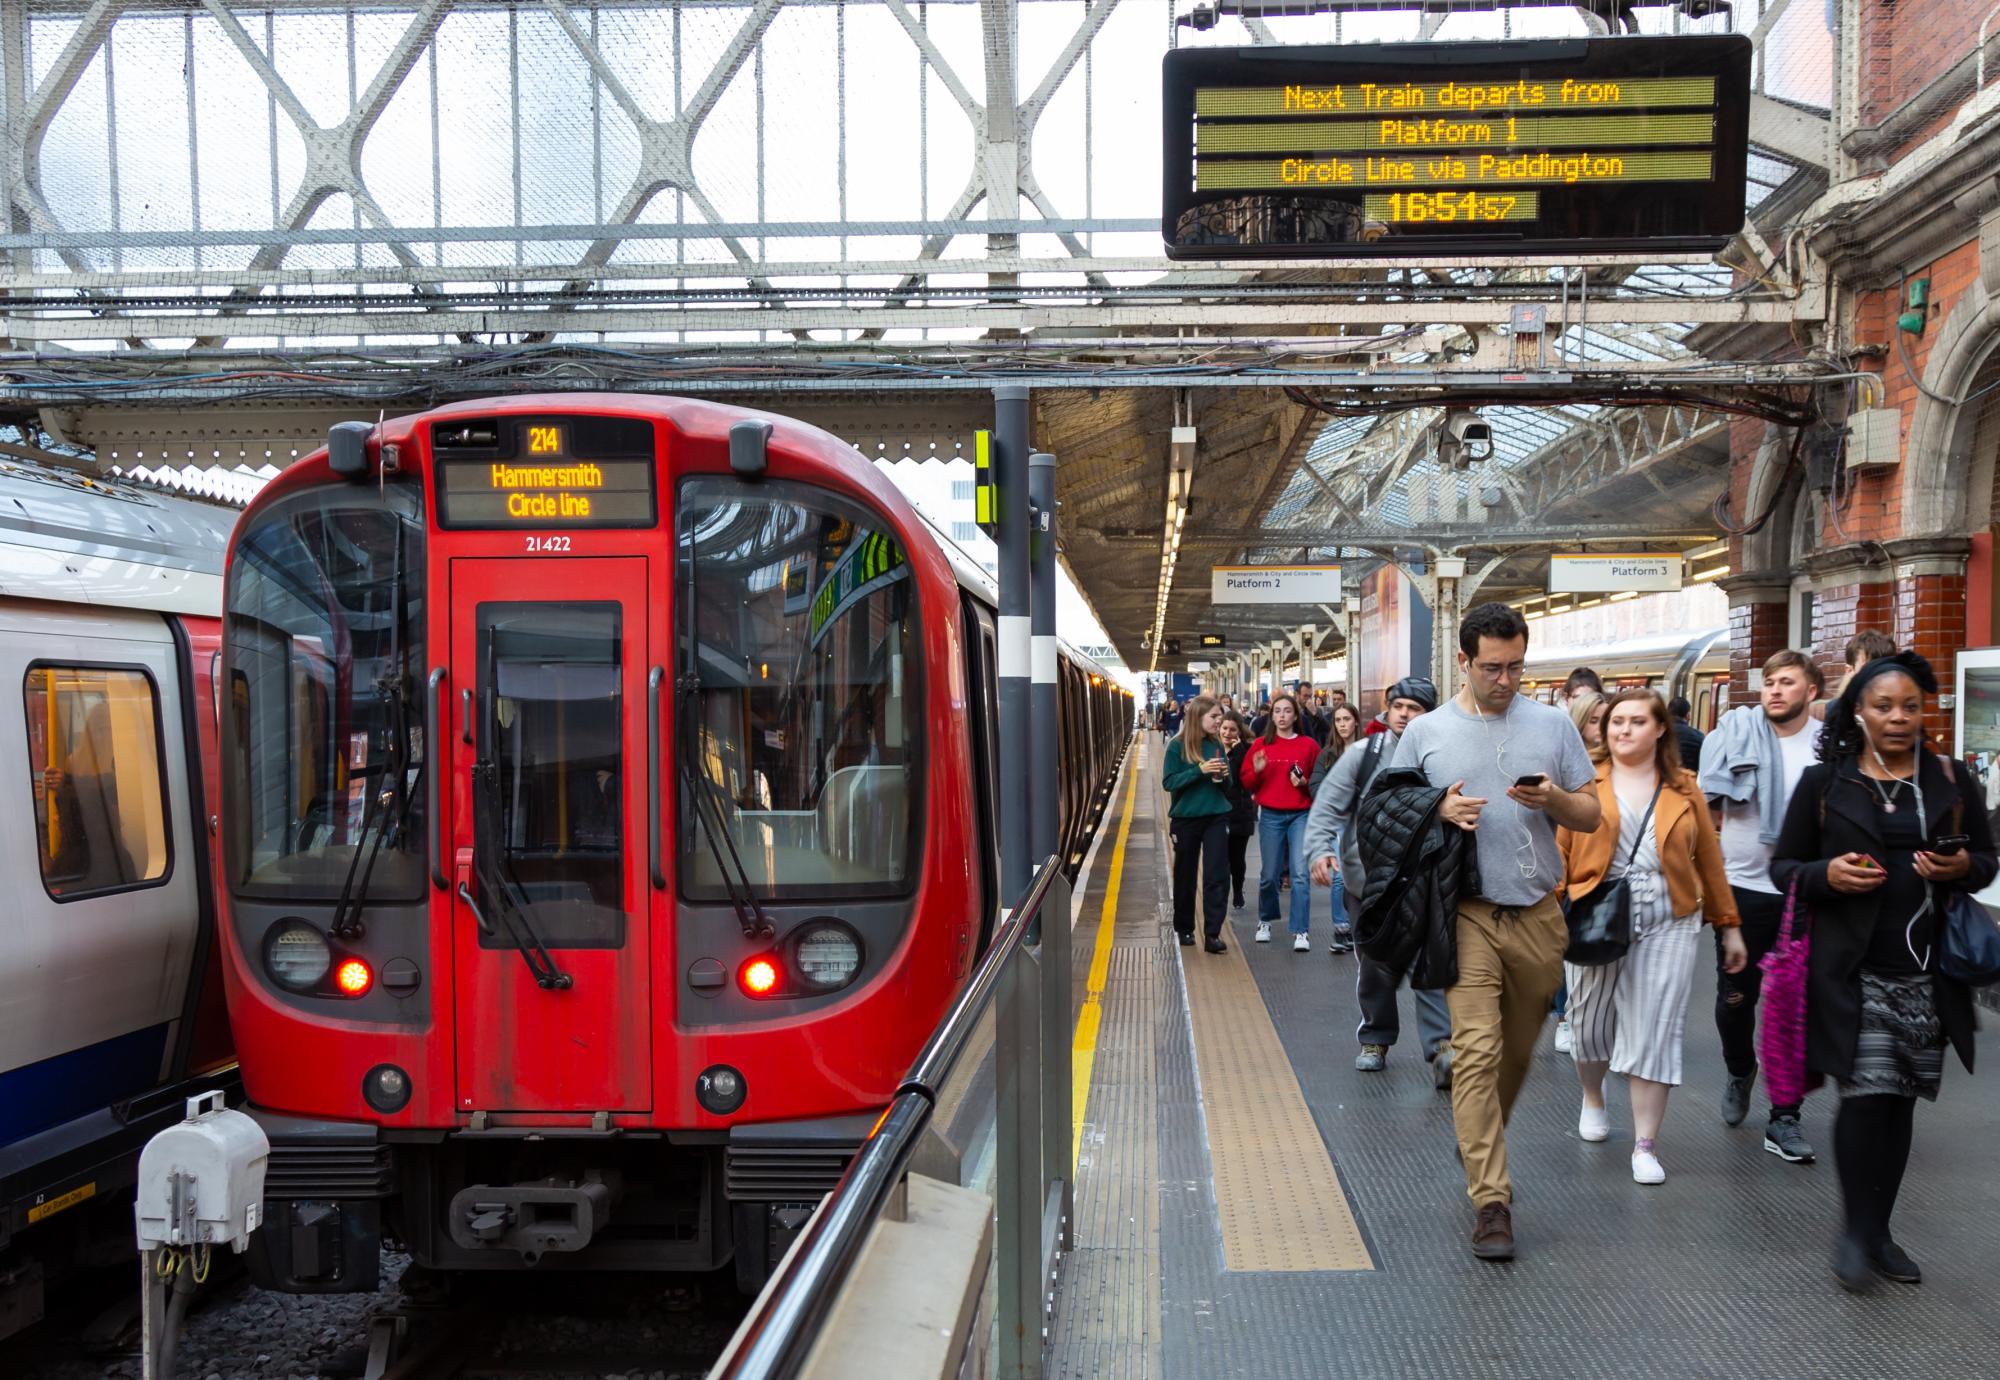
point(784, 1323)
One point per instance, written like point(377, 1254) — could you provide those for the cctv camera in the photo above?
point(1470, 433)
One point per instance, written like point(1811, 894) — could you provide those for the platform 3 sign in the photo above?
point(1275, 584)
point(1614, 574)
point(1557, 146)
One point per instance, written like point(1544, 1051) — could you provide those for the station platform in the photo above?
point(1249, 1205)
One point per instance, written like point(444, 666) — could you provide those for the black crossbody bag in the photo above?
point(1600, 924)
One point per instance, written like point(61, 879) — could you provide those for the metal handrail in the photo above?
point(784, 1323)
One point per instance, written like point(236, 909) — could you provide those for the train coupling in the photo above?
point(533, 1217)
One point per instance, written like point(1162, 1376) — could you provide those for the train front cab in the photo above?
point(591, 885)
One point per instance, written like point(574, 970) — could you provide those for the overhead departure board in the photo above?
point(561, 472)
point(1605, 145)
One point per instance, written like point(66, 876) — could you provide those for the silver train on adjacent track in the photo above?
point(111, 1004)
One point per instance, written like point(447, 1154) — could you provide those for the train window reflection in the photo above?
point(798, 718)
point(323, 732)
point(547, 786)
point(94, 767)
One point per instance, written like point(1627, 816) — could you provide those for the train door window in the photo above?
point(548, 780)
point(94, 768)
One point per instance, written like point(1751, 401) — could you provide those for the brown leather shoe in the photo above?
point(1493, 1234)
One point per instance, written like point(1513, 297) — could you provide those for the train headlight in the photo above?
point(759, 976)
point(828, 955)
point(297, 955)
point(354, 978)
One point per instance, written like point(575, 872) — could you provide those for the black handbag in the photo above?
point(1600, 924)
point(1970, 952)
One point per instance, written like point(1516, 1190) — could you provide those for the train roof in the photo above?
point(76, 538)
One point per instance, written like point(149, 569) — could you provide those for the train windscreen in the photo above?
point(798, 715)
point(323, 738)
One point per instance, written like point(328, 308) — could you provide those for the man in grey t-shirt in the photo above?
point(1513, 771)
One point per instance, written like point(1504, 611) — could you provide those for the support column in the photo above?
point(14, 73)
point(1043, 789)
point(1010, 482)
point(1444, 626)
point(1760, 626)
point(1930, 601)
point(1353, 609)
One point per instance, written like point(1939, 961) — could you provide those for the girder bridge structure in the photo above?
point(230, 224)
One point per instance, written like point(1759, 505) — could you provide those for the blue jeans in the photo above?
point(1281, 835)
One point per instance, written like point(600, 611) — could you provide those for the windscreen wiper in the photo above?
point(489, 862)
point(708, 812)
point(513, 913)
point(391, 687)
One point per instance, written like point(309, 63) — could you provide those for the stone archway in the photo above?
point(1938, 460)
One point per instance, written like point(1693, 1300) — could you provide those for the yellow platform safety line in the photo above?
point(1083, 1053)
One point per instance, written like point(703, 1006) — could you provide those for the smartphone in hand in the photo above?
point(1532, 779)
point(1950, 845)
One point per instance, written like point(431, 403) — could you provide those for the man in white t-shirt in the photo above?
point(1747, 801)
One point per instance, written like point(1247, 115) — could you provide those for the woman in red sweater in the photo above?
point(1275, 771)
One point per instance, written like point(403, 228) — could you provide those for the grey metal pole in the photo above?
point(1010, 484)
point(1043, 793)
point(1017, 1167)
point(1058, 1143)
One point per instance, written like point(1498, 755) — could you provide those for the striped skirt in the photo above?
point(1632, 1012)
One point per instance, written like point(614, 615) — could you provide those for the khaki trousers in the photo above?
point(1509, 966)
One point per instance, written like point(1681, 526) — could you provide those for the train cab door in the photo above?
point(551, 908)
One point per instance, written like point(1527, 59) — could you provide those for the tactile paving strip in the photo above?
point(1107, 1323)
point(1277, 1195)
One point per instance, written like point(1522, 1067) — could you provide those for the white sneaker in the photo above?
point(1263, 933)
point(1594, 1124)
point(1563, 1042)
point(1646, 1168)
point(1300, 944)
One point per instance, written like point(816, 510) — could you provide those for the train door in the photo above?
point(552, 916)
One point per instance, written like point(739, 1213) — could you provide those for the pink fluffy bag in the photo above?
point(1781, 1036)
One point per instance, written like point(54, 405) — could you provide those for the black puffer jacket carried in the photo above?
point(1417, 868)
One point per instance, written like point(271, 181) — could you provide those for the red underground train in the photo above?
point(608, 816)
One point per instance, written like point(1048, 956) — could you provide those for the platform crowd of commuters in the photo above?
point(1511, 859)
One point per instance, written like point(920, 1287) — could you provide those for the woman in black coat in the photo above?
point(1235, 737)
point(1868, 841)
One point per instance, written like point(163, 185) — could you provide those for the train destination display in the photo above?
point(1588, 145)
point(532, 475)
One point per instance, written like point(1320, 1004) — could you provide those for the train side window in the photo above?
point(95, 772)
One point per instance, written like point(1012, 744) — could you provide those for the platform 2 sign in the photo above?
point(1274, 584)
point(1562, 146)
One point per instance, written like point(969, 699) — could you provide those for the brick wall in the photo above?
point(1756, 633)
point(1930, 620)
point(1908, 45)
point(1840, 611)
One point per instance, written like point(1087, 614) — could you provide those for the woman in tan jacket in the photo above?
point(1628, 1015)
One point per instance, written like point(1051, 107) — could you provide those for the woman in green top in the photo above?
point(1195, 767)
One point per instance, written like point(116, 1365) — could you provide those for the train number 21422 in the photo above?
point(542, 546)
